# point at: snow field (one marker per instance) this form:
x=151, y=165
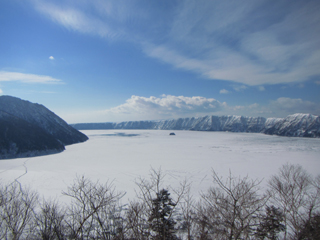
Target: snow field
x=122, y=156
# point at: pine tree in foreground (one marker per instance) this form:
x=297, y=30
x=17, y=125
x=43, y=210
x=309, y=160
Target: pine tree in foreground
x=271, y=224
x=160, y=220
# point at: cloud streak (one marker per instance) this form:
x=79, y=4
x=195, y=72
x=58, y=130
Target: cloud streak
x=74, y=19
x=281, y=107
x=290, y=106
x=27, y=78
x=251, y=42
x=224, y=91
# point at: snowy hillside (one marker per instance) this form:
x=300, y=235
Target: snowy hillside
x=297, y=125
x=28, y=129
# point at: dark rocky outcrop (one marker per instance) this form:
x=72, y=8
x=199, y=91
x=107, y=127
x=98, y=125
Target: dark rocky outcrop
x=28, y=129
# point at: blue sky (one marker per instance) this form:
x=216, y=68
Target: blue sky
x=101, y=61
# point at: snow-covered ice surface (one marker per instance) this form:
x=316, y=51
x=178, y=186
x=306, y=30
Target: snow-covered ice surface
x=121, y=156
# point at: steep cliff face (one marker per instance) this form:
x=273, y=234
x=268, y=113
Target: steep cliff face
x=31, y=129
x=214, y=123
x=297, y=125
x=241, y=124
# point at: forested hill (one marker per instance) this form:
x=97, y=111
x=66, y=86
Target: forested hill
x=296, y=125
x=29, y=129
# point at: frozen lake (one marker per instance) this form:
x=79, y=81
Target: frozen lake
x=122, y=156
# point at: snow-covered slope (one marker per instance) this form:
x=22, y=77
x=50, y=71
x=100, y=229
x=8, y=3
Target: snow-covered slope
x=214, y=123
x=18, y=138
x=298, y=125
x=27, y=127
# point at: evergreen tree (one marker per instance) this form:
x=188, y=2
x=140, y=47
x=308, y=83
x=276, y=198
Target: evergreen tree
x=311, y=229
x=161, y=221
x=271, y=224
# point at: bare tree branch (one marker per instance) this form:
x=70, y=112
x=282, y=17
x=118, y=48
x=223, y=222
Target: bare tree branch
x=235, y=204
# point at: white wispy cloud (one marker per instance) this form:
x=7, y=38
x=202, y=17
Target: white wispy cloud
x=27, y=78
x=239, y=88
x=51, y=58
x=291, y=105
x=280, y=107
x=74, y=16
x=252, y=42
x=224, y=91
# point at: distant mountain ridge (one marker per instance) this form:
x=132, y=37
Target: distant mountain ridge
x=30, y=129
x=296, y=125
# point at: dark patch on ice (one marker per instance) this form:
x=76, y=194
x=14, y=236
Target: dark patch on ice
x=118, y=135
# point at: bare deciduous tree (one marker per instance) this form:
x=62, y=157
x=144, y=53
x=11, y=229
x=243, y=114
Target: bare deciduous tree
x=235, y=205
x=2, y=202
x=188, y=213
x=91, y=213
x=136, y=221
x=50, y=222
x=232, y=209
x=17, y=211
x=294, y=191
x=205, y=222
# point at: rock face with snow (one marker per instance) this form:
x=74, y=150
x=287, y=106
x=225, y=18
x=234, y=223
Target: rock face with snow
x=28, y=129
x=214, y=123
x=207, y=123
x=297, y=125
